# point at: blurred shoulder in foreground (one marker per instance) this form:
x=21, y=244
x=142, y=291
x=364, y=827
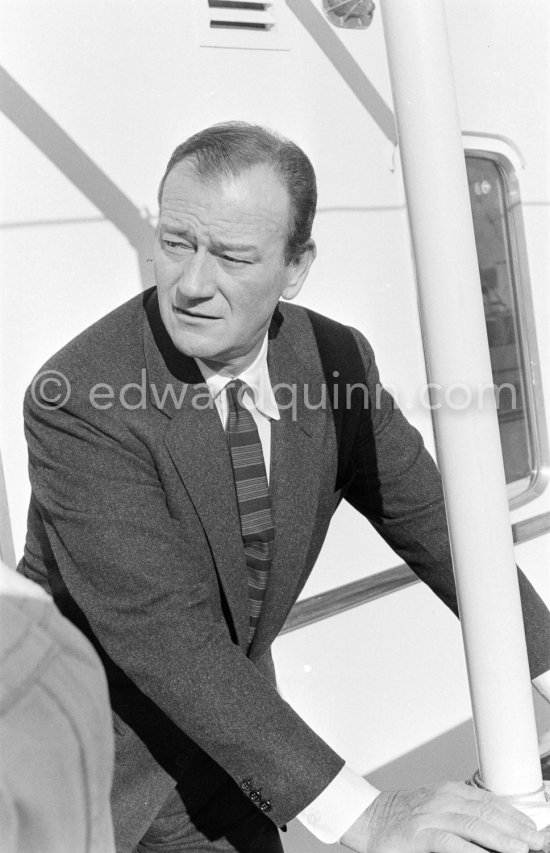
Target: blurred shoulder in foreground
x=56, y=740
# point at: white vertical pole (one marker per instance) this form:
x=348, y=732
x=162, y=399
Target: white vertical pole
x=465, y=420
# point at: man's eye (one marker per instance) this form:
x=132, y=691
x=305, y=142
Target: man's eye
x=235, y=260
x=176, y=245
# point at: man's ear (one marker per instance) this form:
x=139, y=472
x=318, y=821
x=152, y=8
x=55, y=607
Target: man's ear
x=298, y=271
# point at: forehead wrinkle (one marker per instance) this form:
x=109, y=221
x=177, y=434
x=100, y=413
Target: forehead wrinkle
x=227, y=199
x=188, y=219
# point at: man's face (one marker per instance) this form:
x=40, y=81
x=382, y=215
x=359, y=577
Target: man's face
x=219, y=261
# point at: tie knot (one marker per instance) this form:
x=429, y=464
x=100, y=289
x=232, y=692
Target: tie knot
x=235, y=390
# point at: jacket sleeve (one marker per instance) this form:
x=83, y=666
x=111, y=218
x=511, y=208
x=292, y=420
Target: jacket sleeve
x=398, y=488
x=140, y=578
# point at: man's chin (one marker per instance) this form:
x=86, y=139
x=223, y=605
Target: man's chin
x=195, y=346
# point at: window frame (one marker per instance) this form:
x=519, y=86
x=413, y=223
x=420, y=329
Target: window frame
x=509, y=162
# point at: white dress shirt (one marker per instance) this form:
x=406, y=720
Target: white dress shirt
x=339, y=805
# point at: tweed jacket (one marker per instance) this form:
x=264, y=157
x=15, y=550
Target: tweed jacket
x=134, y=528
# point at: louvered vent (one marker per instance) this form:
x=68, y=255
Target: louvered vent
x=251, y=24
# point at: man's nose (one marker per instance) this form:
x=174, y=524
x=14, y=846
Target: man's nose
x=197, y=280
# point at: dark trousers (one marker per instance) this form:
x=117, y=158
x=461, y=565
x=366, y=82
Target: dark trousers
x=222, y=821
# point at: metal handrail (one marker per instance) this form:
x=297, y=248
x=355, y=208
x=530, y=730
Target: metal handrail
x=354, y=594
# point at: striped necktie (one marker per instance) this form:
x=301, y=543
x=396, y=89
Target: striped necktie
x=252, y=498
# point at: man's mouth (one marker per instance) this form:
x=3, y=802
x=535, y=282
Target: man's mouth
x=197, y=315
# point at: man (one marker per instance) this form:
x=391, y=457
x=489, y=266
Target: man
x=153, y=523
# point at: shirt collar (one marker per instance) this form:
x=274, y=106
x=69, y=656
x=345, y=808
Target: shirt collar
x=255, y=375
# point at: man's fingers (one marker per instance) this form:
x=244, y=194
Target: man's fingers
x=475, y=817
x=448, y=818
x=506, y=834
x=477, y=795
x=442, y=841
x=495, y=831
x=481, y=796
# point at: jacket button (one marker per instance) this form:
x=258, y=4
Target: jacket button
x=255, y=796
x=265, y=806
x=246, y=785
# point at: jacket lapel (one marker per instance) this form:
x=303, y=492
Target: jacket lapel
x=197, y=444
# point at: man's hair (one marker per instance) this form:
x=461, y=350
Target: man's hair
x=230, y=148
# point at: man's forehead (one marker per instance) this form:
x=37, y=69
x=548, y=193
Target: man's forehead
x=253, y=195
x=257, y=178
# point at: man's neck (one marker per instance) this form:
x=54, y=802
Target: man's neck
x=237, y=365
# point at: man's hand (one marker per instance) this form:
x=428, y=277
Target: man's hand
x=447, y=818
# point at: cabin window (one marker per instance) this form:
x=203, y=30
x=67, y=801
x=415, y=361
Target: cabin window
x=509, y=319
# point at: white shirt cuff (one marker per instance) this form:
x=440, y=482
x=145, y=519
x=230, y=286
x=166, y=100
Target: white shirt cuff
x=336, y=808
x=542, y=684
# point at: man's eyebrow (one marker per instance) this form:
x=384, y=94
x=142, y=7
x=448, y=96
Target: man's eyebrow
x=175, y=231
x=233, y=247
x=218, y=246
